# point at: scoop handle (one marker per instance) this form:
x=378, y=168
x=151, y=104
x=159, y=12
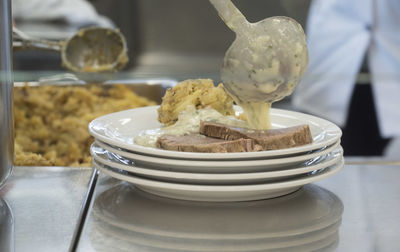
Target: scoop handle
x=231, y=15
x=24, y=41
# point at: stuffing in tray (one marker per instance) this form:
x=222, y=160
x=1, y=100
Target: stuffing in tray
x=51, y=121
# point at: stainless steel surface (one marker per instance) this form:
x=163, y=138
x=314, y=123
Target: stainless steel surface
x=376, y=160
x=124, y=218
x=6, y=227
x=6, y=92
x=84, y=210
x=46, y=202
x=370, y=220
x=94, y=49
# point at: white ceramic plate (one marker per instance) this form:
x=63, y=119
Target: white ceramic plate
x=110, y=160
x=119, y=129
x=219, y=166
x=220, y=192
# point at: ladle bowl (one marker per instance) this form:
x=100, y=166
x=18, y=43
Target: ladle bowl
x=93, y=49
x=267, y=58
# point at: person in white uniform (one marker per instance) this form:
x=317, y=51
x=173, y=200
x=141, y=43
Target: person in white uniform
x=340, y=35
x=79, y=13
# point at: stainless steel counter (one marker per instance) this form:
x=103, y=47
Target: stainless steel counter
x=370, y=221
x=46, y=203
x=6, y=227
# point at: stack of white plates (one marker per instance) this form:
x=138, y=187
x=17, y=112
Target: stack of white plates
x=213, y=176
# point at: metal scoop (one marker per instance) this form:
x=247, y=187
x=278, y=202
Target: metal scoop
x=89, y=50
x=267, y=58
x=265, y=62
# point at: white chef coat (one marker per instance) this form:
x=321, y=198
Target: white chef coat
x=75, y=12
x=339, y=34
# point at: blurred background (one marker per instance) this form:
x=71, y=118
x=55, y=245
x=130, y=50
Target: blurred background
x=175, y=38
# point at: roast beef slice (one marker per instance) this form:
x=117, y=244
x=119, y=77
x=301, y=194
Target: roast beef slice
x=272, y=139
x=200, y=143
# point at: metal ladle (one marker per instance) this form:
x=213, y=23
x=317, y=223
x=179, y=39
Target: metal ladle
x=264, y=63
x=93, y=49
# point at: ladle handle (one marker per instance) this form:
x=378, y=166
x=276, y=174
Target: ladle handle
x=231, y=15
x=24, y=41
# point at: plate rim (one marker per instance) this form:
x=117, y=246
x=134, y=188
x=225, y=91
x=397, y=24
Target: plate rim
x=333, y=129
x=220, y=164
x=140, y=170
x=330, y=171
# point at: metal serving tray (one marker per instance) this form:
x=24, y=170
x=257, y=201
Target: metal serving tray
x=153, y=89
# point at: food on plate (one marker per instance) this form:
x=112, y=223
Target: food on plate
x=199, y=93
x=204, y=129
x=198, y=143
x=188, y=122
x=51, y=121
x=272, y=139
x=222, y=138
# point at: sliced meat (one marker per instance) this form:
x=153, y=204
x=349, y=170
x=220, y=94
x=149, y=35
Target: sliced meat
x=200, y=143
x=273, y=139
